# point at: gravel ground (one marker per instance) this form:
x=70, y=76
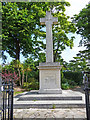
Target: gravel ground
x=63, y=114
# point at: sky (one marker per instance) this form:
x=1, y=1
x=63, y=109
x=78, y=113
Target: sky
x=75, y=8
x=67, y=54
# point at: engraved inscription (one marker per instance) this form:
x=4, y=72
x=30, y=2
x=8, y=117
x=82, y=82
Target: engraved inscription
x=50, y=82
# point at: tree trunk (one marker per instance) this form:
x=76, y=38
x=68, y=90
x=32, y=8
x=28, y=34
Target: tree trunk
x=19, y=77
x=17, y=49
x=26, y=77
x=55, y=55
x=22, y=78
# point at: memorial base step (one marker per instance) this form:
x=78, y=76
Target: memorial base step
x=68, y=99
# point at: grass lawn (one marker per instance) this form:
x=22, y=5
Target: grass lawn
x=18, y=90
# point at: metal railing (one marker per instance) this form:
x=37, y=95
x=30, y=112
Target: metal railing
x=7, y=100
x=87, y=93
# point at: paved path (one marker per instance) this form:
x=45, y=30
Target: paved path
x=73, y=113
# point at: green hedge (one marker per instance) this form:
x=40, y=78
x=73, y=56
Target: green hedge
x=77, y=77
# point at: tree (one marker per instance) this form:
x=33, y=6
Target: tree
x=8, y=76
x=78, y=64
x=84, y=55
x=16, y=29
x=30, y=65
x=82, y=21
x=23, y=33
x=18, y=67
x=22, y=75
x=27, y=69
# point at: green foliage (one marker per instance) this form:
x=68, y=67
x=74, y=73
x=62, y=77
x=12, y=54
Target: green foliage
x=23, y=33
x=74, y=77
x=65, y=86
x=25, y=71
x=8, y=67
x=33, y=85
x=78, y=64
x=53, y=106
x=67, y=83
x=18, y=92
x=82, y=21
x=33, y=66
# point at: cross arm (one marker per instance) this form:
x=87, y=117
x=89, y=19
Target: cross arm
x=55, y=20
x=42, y=21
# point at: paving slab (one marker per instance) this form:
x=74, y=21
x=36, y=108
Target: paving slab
x=50, y=114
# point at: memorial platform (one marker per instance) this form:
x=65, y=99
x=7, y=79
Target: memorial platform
x=32, y=99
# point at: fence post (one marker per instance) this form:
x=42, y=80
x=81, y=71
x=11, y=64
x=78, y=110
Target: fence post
x=87, y=103
x=12, y=100
x=87, y=98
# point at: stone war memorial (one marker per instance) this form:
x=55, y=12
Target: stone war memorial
x=50, y=101
x=49, y=72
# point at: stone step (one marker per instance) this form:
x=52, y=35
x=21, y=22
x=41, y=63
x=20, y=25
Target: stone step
x=28, y=98
x=68, y=99
x=48, y=106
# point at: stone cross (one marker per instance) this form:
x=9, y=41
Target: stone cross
x=48, y=21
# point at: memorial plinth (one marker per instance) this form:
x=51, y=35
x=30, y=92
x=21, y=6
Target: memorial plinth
x=49, y=78
x=49, y=72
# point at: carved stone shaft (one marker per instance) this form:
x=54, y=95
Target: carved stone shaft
x=48, y=21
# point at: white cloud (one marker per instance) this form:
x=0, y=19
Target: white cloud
x=68, y=54
x=77, y=49
x=76, y=6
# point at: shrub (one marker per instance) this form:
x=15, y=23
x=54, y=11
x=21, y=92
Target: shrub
x=65, y=86
x=72, y=83
x=8, y=76
x=67, y=83
x=33, y=85
x=75, y=77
